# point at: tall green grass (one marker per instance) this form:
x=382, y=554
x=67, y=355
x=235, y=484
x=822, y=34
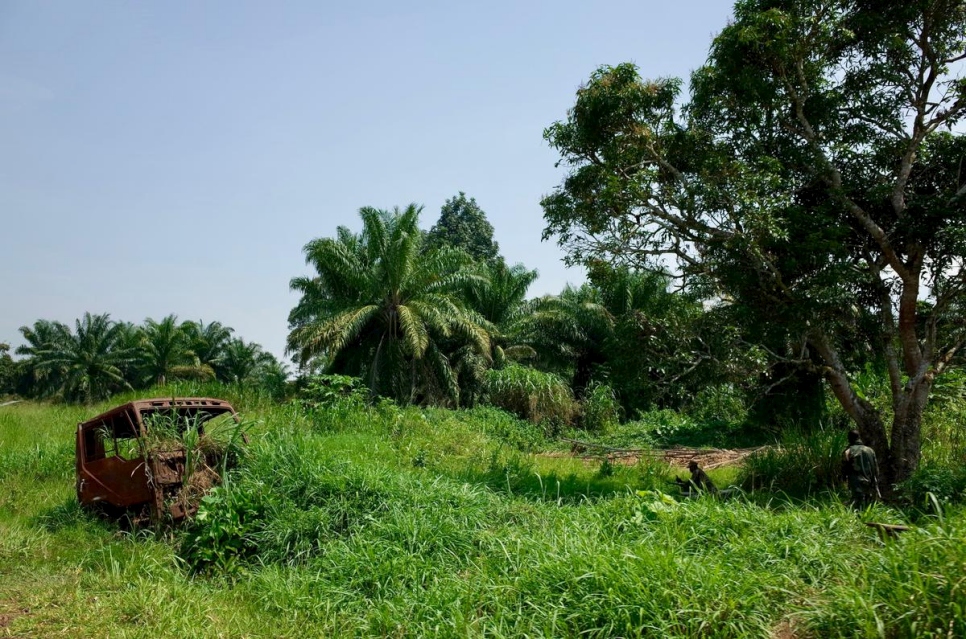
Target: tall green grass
x=801, y=465
x=383, y=521
x=542, y=398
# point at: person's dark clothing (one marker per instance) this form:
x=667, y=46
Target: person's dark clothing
x=861, y=470
x=699, y=482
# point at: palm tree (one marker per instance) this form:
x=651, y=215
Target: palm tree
x=379, y=307
x=208, y=341
x=43, y=336
x=500, y=299
x=570, y=331
x=240, y=361
x=166, y=352
x=131, y=338
x=86, y=364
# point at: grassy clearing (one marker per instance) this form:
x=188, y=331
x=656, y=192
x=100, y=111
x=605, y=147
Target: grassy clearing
x=350, y=521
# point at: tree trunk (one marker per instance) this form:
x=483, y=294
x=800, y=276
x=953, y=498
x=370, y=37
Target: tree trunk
x=864, y=415
x=906, y=448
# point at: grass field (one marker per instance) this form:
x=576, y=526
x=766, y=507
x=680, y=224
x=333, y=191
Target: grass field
x=379, y=522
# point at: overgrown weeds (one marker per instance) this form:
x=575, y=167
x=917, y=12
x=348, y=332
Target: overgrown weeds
x=542, y=398
x=329, y=529
x=800, y=465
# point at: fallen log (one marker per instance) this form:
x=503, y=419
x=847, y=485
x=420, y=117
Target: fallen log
x=891, y=530
x=676, y=456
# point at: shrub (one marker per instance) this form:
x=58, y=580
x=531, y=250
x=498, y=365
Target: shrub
x=657, y=427
x=802, y=464
x=945, y=483
x=222, y=533
x=506, y=427
x=541, y=398
x=329, y=390
x=601, y=410
x=721, y=408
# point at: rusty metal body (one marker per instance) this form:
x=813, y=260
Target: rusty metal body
x=113, y=467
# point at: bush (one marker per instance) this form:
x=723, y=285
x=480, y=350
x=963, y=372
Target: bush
x=659, y=428
x=945, y=483
x=329, y=390
x=801, y=465
x=601, y=410
x=509, y=429
x=720, y=408
x=541, y=398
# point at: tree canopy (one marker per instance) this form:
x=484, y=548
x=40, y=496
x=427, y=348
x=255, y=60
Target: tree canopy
x=379, y=307
x=462, y=224
x=101, y=356
x=812, y=182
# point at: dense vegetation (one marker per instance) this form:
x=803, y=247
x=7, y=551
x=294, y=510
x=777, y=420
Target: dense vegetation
x=771, y=261
x=345, y=519
x=812, y=182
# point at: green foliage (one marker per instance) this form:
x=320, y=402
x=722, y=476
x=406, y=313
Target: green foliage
x=542, y=398
x=166, y=353
x=569, y=332
x=463, y=225
x=221, y=533
x=337, y=533
x=245, y=362
x=721, y=408
x=8, y=371
x=664, y=346
x=329, y=390
x=935, y=481
x=800, y=466
x=102, y=357
x=600, y=410
x=380, y=307
x=805, y=186
x=503, y=426
x=660, y=427
x=85, y=365
x=923, y=598
x=208, y=342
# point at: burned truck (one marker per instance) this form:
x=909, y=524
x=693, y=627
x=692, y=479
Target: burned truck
x=154, y=457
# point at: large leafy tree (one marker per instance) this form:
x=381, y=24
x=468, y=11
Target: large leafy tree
x=81, y=365
x=379, y=307
x=812, y=182
x=462, y=224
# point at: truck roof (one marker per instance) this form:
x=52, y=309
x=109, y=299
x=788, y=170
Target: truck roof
x=160, y=403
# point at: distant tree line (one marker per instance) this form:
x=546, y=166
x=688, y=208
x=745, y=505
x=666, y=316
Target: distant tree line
x=99, y=357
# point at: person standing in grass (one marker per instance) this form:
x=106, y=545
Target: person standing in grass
x=861, y=470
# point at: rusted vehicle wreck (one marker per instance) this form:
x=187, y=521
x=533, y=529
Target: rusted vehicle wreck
x=151, y=456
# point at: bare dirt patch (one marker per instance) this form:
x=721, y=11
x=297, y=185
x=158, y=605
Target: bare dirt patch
x=784, y=630
x=8, y=614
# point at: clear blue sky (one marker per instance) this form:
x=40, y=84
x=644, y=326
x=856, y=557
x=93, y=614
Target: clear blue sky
x=174, y=157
